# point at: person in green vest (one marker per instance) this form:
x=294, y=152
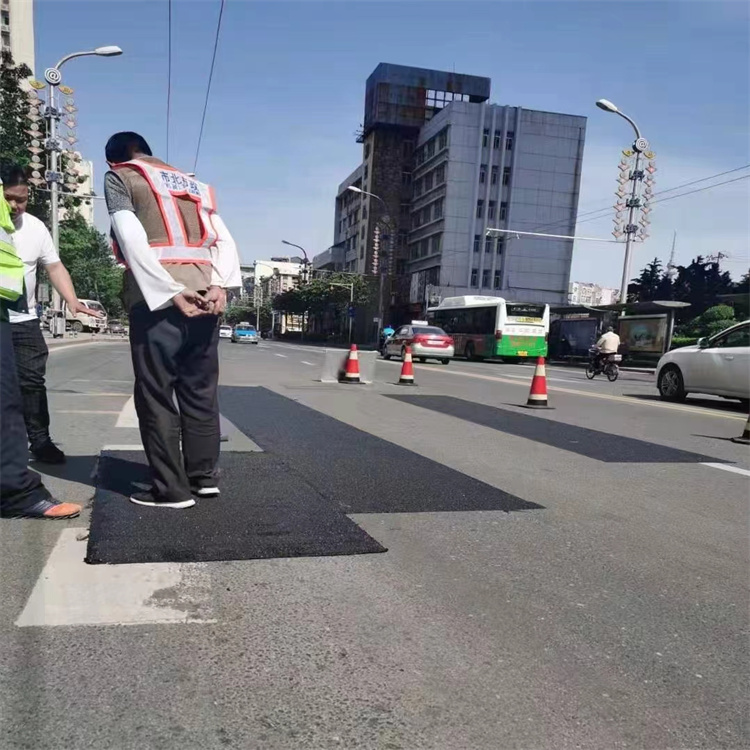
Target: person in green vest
x=22, y=493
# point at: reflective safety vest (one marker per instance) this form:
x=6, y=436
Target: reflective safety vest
x=11, y=266
x=167, y=185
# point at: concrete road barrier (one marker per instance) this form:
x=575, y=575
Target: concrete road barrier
x=334, y=363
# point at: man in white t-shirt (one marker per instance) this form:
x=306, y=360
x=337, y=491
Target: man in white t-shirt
x=608, y=343
x=34, y=246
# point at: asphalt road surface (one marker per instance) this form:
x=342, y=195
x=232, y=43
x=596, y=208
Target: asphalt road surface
x=610, y=613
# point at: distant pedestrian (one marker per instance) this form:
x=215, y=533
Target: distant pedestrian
x=34, y=246
x=22, y=494
x=180, y=258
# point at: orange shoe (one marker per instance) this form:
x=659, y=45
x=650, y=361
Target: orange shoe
x=63, y=510
x=46, y=509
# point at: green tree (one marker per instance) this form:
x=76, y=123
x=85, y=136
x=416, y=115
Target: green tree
x=86, y=254
x=712, y=321
x=14, y=138
x=700, y=283
x=743, y=285
x=647, y=285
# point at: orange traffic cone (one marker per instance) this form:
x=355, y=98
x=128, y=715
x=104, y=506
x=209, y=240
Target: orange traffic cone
x=351, y=373
x=538, y=393
x=407, y=369
x=744, y=438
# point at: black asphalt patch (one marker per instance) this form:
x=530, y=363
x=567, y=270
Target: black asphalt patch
x=359, y=472
x=264, y=511
x=602, y=446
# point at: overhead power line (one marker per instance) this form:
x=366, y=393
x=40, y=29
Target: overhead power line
x=603, y=212
x=700, y=190
x=208, y=87
x=169, y=70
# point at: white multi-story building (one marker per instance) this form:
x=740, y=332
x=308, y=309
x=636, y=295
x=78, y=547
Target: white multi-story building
x=480, y=166
x=84, y=189
x=276, y=276
x=350, y=225
x=581, y=293
x=17, y=30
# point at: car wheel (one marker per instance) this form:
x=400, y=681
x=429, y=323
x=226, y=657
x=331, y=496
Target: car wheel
x=745, y=403
x=422, y=359
x=384, y=354
x=671, y=385
x=444, y=361
x=76, y=326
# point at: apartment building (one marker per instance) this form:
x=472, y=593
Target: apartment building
x=582, y=293
x=17, y=30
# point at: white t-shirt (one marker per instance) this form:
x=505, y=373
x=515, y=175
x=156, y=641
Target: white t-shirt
x=609, y=343
x=34, y=245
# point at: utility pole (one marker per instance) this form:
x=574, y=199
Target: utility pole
x=258, y=299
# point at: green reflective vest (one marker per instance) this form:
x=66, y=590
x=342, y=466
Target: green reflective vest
x=11, y=266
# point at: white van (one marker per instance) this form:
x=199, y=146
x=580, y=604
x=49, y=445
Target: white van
x=82, y=322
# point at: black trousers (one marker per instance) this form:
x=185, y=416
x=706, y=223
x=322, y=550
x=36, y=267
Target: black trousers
x=177, y=356
x=31, y=364
x=20, y=488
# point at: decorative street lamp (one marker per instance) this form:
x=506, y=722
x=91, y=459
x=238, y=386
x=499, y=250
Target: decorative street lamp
x=381, y=269
x=53, y=145
x=637, y=201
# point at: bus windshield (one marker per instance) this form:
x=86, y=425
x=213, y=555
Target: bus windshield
x=524, y=313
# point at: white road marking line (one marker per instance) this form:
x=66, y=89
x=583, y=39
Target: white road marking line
x=70, y=592
x=100, y=380
x=308, y=363
x=134, y=447
x=128, y=416
x=124, y=394
x=605, y=396
x=279, y=355
x=68, y=347
x=728, y=467
x=549, y=379
x=83, y=411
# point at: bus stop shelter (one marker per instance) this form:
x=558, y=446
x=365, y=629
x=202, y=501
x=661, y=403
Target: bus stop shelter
x=645, y=329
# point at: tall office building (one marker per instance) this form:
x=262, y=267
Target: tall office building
x=481, y=166
x=17, y=30
x=448, y=166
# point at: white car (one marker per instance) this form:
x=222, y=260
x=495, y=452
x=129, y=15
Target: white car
x=719, y=365
x=225, y=332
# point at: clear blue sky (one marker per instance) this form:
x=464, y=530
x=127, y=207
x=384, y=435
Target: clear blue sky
x=289, y=86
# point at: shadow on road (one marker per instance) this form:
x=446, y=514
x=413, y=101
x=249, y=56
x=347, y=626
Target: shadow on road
x=78, y=469
x=602, y=446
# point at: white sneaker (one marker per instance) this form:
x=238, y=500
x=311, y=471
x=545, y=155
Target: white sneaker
x=207, y=491
x=153, y=501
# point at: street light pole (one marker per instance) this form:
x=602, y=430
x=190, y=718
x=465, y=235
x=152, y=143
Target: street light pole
x=53, y=76
x=382, y=268
x=305, y=279
x=639, y=145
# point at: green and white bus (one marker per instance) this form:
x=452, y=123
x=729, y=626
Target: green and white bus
x=486, y=327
